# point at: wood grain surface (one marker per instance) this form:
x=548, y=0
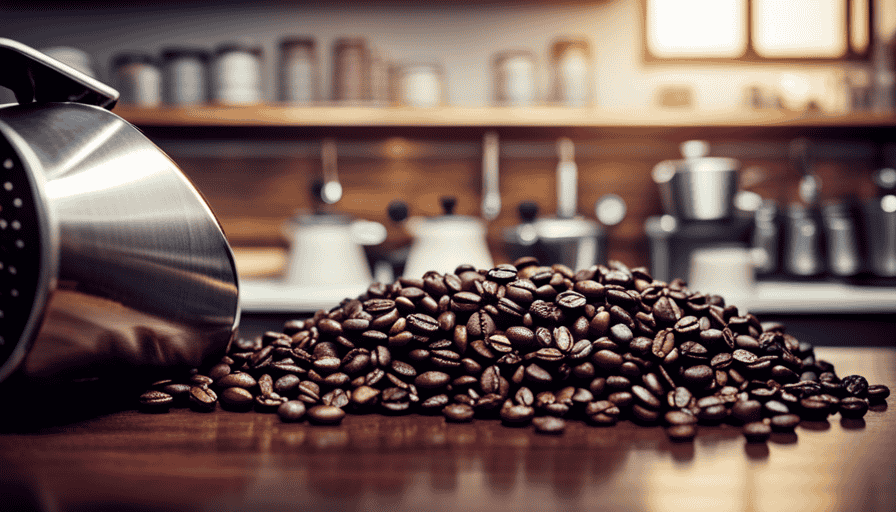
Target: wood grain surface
x=125, y=460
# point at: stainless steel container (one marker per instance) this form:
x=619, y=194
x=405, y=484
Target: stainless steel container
x=880, y=235
x=803, y=256
x=109, y=257
x=698, y=187
x=767, y=236
x=841, y=240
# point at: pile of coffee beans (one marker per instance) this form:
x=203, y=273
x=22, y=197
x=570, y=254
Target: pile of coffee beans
x=530, y=344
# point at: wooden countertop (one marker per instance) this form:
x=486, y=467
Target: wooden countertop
x=249, y=461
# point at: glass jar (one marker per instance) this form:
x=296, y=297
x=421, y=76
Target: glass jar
x=298, y=70
x=236, y=74
x=138, y=78
x=571, y=72
x=185, y=76
x=514, y=73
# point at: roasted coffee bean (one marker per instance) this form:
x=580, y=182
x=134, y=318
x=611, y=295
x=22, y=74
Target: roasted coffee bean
x=663, y=344
x=291, y=411
x=156, y=401
x=447, y=321
x=645, y=397
x=621, y=398
x=458, y=413
x=757, y=432
x=325, y=415
x=680, y=417
x=465, y=302
x=698, y=376
x=537, y=374
x=517, y=415
x=744, y=356
x=746, y=411
x=774, y=408
x=853, y=407
x=202, y=399
x=878, y=393
x=571, y=300
x=423, y=324
x=480, y=325
x=379, y=306
x=287, y=385
x=201, y=380
x=549, y=425
x=784, y=422
x=237, y=379
x=383, y=322
x=607, y=360
x=621, y=334
x=855, y=385
x=236, y=398
x=546, y=313
x=666, y=311
x=364, y=396
x=499, y=343
x=815, y=408
x=432, y=380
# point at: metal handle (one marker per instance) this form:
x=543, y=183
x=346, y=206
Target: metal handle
x=567, y=179
x=491, y=196
x=35, y=77
x=331, y=192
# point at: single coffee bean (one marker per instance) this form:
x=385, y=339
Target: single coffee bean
x=680, y=397
x=784, y=422
x=878, y=393
x=853, y=407
x=744, y=356
x=517, y=415
x=465, y=302
x=855, y=385
x=571, y=300
x=291, y=411
x=325, y=415
x=432, y=380
x=746, y=411
x=663, y=343
x=774, y=408
x=202, y=399
x=757, y=432
x=680, y=418
x=155, y=401
x=458, y=413
x=645, y=397
x=549, y=425
x=236, y=398
x=480, y=325
x=698, y=376
x=607, y=360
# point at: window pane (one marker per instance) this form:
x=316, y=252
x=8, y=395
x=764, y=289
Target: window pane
x=696, y=28
x=799, y=28
x=860, y=37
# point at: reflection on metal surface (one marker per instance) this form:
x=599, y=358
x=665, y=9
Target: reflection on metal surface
x=138, y=269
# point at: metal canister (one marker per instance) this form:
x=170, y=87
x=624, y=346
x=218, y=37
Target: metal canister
x=571, y=72
x=298, y=70
x=237, y=74
x=420, y=85
x=138, y=77
x=185, y=76
x=841, y=239
x=767, y=236
x=803, y=247
x=515, y=73
x=351, y=70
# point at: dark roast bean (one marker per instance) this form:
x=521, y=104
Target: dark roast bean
x=784, y=422
x=698, y=376
x=680, y=397
x=517, y=415
x=480, y=325
x=680, y=418
x=465, y=302
x=520, y=337
x=645, y=397
x=325, y=415
x=744, y=356
x=549, y=425
x=236, y=398
x=878, y=393
x=853, y=407
x=432, y=380
x=757, y=432
x=855, y=385
x=746, y=411
x=237, y=379
x=155, y=401
x=291, y=411
x=458, y=413
x=337, y=398
x=571, y=300
x=663, y=343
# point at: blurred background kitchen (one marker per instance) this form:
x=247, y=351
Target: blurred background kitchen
x=746, y=146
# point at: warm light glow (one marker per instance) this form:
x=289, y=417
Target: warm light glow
x=696, y=28
x=799, y=28
x=860, y=38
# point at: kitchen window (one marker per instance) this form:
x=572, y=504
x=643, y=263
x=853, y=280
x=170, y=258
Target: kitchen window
x=757, y=30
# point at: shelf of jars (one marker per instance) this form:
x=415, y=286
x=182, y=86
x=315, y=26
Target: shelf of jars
x=280, y=115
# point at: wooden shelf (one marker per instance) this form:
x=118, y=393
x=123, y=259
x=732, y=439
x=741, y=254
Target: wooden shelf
x=482, y=117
